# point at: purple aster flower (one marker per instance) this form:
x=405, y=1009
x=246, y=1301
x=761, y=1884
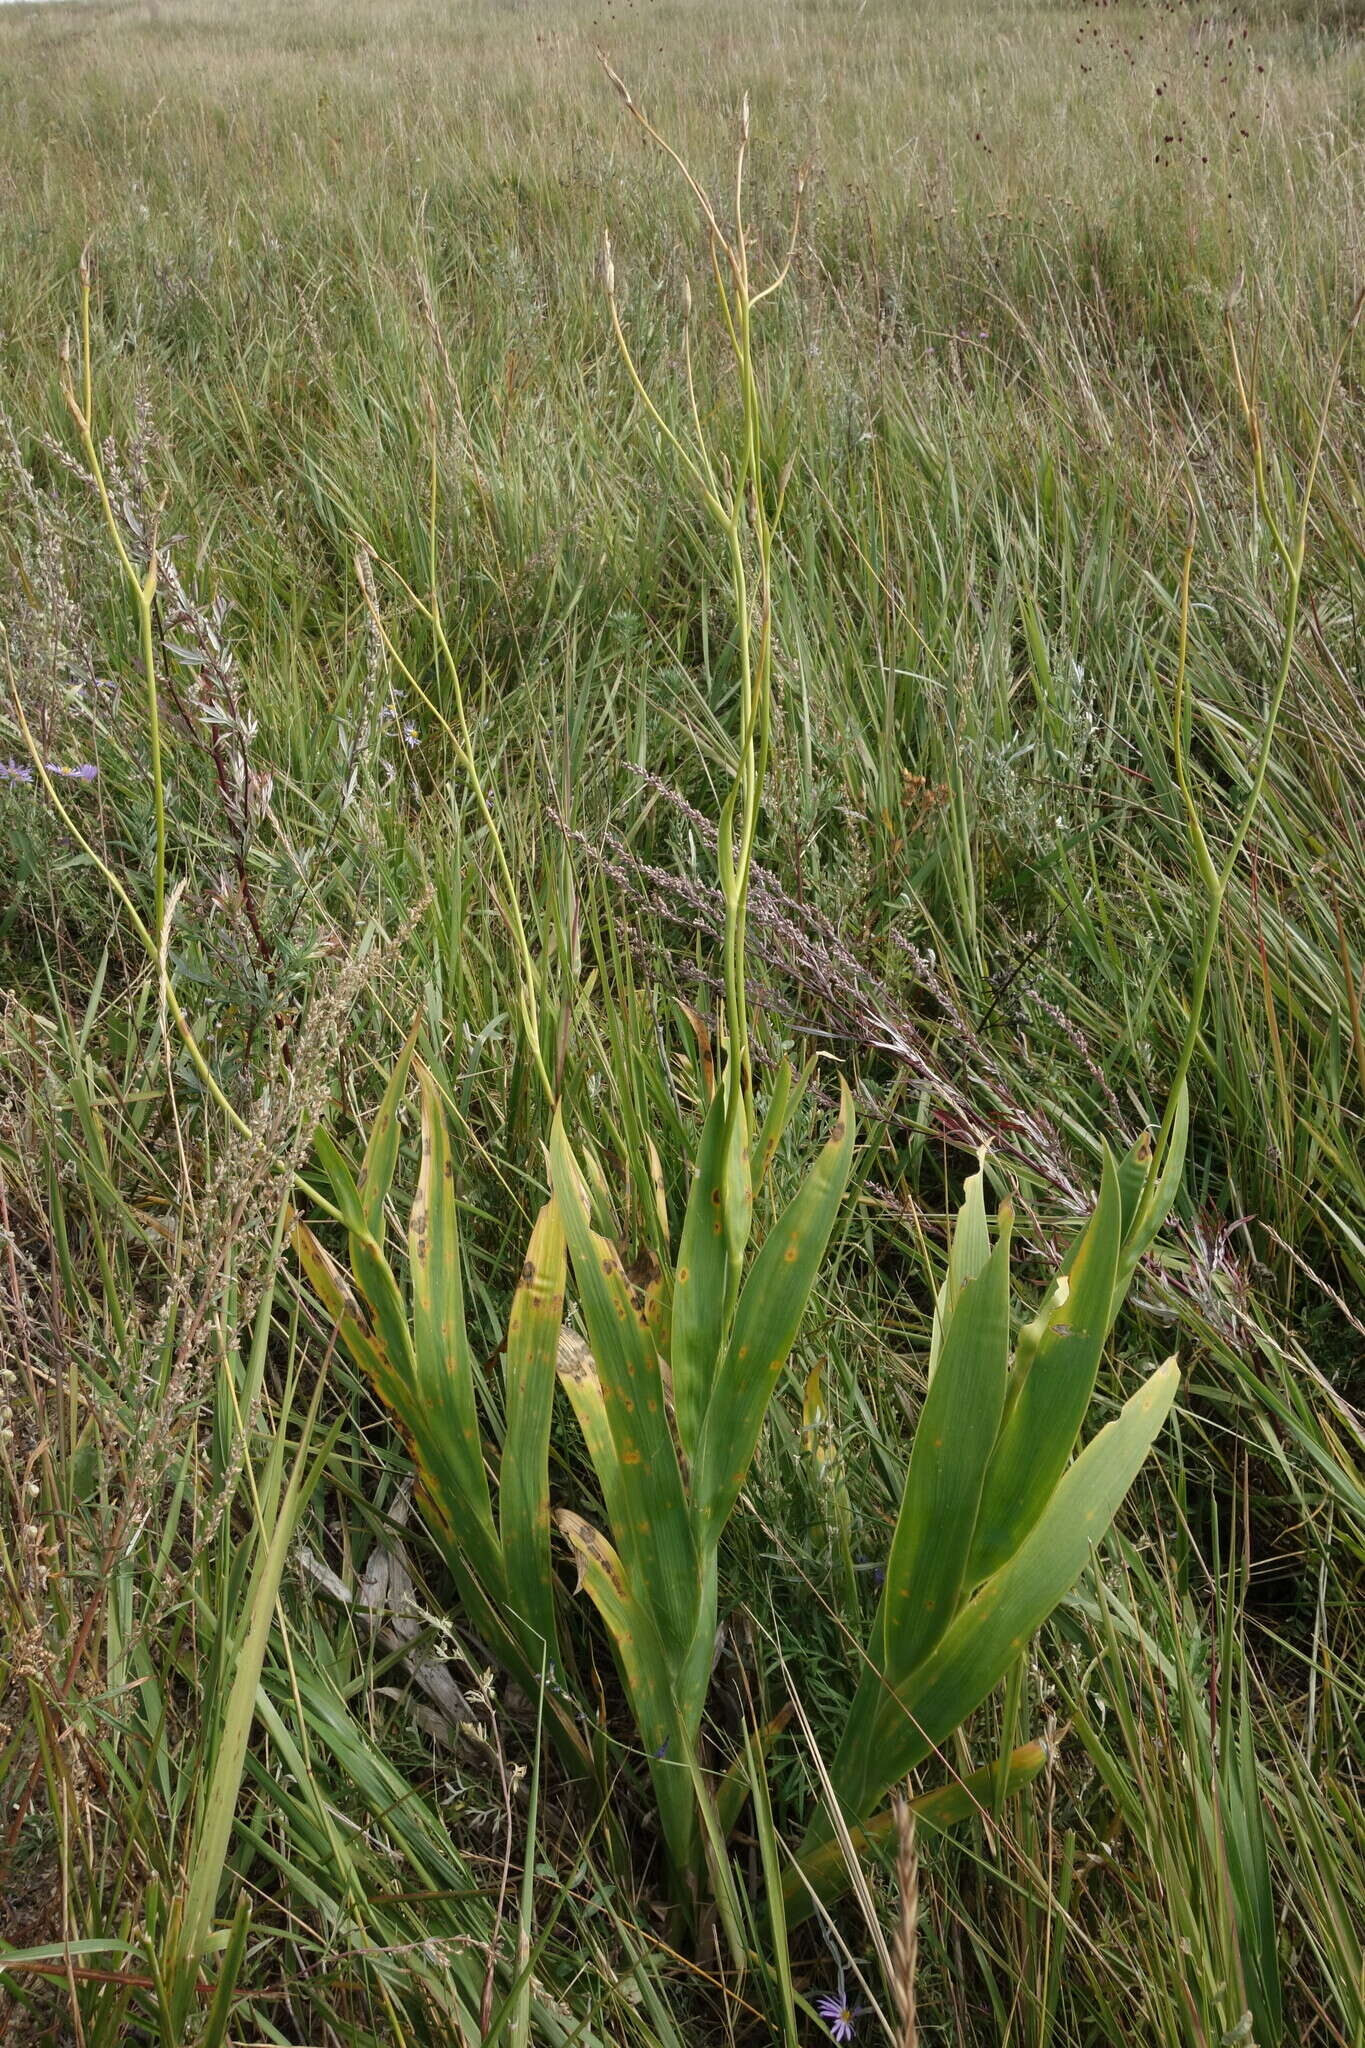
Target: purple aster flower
x=85, y=772
x=12, y=771
x=838, y=2015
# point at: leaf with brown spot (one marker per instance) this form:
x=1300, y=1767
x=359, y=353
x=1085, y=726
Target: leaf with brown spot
x=381, y=1153
x=443, y=1368
x=644, y=1667
x=524, y=1492
x=650, y=1519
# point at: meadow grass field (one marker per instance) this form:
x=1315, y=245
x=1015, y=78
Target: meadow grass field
x=562, y=815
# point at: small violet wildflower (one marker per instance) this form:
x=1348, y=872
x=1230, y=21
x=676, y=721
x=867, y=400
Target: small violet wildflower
x=407, y=727
x=838, y=2015
x=19, y=771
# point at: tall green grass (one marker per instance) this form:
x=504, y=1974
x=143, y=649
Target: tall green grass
x=998, y=377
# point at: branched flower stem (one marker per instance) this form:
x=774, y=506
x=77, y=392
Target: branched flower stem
x=739, y=502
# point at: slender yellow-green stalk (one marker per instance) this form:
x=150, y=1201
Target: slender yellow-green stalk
x=1215, y=878
x=143, y=586
x=743, y=499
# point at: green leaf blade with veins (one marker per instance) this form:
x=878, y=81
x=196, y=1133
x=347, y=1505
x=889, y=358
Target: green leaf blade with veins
x=448, y=1416
x=524, y=1477
x=767, y=1318
x=655, y=1535
x=926, y=1566
x=967, y=1254
x=1051, y=1389
x=645, y=1668
x=698, y=1328
x=997, y=1624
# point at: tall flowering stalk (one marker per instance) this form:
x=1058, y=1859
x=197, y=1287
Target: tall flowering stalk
x=710, y=1339
x=672, y=1387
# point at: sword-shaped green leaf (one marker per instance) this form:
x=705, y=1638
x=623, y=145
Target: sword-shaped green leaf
x=998, y=1623
x=1155, y=1205
x=577, y=1372
x=699, y=1285
x=737, y=1185
x=927, y=1562
x=343, y=1181
x=333, y=1290
x=655, y=1533
x=421, y=1368
x=1133, y=1170
x=968, y=1251
x=774, y=1122
x=767, y=1319
x=381, y=1153
x=644, y=1667
x=825, y=1870
x=524, y=1479
x=1050, y=1391
x=446, y=1421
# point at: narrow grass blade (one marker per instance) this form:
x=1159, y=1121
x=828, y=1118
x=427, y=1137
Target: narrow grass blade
x=1252, y=1879
x=210, y=1848
x=215, y=2026
x=754, y=1757
x=733, y=1788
